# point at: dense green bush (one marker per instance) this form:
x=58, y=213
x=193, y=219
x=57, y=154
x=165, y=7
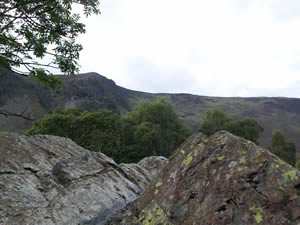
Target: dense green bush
x=215, y=120
x=97, y=131
x=284, y=149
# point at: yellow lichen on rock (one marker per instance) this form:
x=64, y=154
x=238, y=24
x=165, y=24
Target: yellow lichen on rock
x=242, y=151
x=214, y=171
x=158, y=184
x=188, y=159
x=290, y=175
x=242, y=160
x=256, y=156
x=257, y=214
x=274, y=166
x=199, y=148
x=154, y=216
x=220, y=157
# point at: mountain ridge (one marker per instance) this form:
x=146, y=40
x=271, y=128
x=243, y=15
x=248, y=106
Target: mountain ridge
x=93, y=91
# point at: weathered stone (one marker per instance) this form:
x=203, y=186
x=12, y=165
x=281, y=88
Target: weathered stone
x=47, y=180
x=153, y=164
x=90, y=164
x=219, y=180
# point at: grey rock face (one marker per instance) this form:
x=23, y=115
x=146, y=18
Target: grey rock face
x=153, y=164
x=48, y=180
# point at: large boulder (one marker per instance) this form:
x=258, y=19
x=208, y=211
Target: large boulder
x=219, y=180
x=48, y=180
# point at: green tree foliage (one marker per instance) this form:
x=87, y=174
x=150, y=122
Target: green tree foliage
x=97, y=131
x=31, y=30
x=297, y=165
x=247, y=128
x=155, y=129
x=152, y=128
x=284, y=149
x=215, y=120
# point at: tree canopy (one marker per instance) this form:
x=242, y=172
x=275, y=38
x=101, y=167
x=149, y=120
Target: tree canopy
x=247, y=128
x=297, y=164
x=97, y=131
x=215, y=120
x=34, y=30
x=284, y=149
x=156, y=129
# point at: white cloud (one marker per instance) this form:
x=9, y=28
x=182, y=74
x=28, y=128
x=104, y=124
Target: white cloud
x=220, y=48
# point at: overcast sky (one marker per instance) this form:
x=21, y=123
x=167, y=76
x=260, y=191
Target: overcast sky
x=205, y=47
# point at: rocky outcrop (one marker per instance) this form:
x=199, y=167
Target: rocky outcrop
x=219, y=180
x=48, y=180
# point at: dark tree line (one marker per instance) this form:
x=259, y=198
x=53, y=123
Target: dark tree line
x=215, y=120
x=152, y=128
x=250, y=129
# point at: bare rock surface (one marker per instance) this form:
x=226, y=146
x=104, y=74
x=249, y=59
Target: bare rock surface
x=48, y=180
x=153, y=164
x=219, y=180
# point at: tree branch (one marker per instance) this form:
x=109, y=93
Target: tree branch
x=39, y=64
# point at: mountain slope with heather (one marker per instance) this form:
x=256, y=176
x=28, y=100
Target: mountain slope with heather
x=21, y=95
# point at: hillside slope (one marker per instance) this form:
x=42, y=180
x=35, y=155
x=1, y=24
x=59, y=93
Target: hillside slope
x=93, y=91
